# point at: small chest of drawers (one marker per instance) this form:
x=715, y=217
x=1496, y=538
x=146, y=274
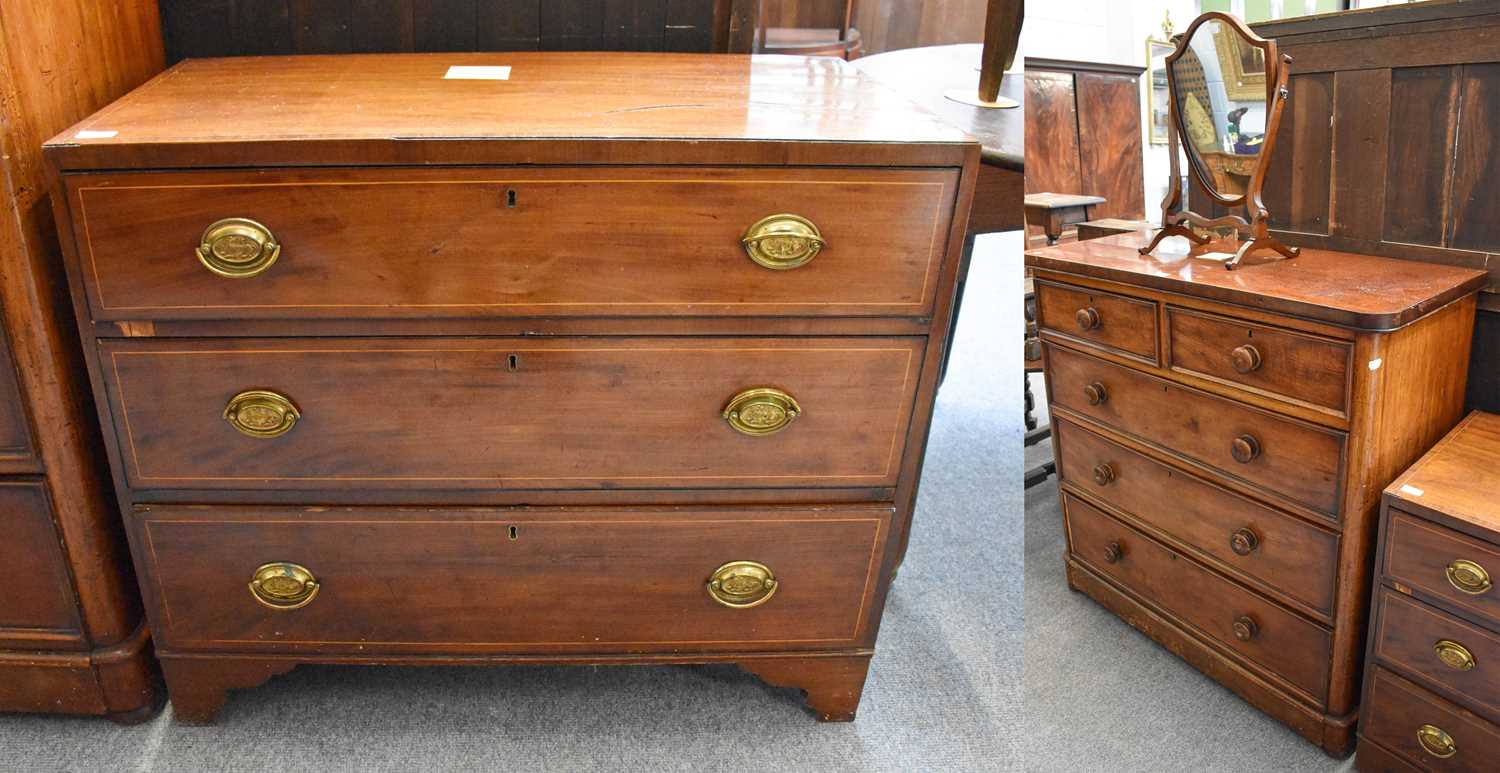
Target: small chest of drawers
x=1221, y=440
x=1432, y=674
x=614, y=359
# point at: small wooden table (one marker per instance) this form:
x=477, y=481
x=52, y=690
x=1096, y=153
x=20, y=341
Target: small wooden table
x=1055, y=211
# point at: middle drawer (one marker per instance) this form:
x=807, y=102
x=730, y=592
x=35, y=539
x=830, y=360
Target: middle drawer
x=644, y=413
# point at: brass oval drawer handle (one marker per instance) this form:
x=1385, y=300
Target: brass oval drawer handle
x=1104, y=474
x=742, y=584
x=1467, y=576
x=1243, y=542
x=1454, y=655
x=259, y=413
x=761, y=411
x=1244, y=449
x=1113, y=552
x=282, y=585
x=783, y=241
x=1096, y=393
x=1245, y=628
x=1436, y=742
x=1245, y=358
x=1088, y=318
x=238, y=248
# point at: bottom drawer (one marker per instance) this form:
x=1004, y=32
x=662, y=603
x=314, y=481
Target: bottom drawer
x=1427, y=730
x=472, y=580
x=1239, y=619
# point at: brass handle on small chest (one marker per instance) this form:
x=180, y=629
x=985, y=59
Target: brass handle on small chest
x=238, y=248
x=1245, y=628
x=1245, y=358
x=1243, y=542
x=1468, y=577
x=761, y=411
x=261, y=414
x=1104, y=474
x=282, y=585
x=1454, y=655
x=1244, y=449
x=1087, y=319
x=1095, y=393
x=1436, y=742
x=742, y=584
x=782, y=242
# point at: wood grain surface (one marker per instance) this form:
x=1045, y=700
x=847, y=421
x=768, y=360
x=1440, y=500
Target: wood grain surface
x=505, y=241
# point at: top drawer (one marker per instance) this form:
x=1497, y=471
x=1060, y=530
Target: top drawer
x=1443, y=563
x=1113, y=323
x=1289, y=366
x=465, y=242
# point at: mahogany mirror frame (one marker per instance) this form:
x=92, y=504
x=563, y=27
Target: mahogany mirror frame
x=1174, y=210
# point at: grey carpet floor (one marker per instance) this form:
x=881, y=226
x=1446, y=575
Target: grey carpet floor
x=944, y=692
x=1100, y=696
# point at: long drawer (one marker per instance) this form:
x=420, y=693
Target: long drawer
x=1240, y=620
x=372, y=580
x=1440, y=647
x=1296, y=460
x=512, y=412
x=1283, y=553
x=1426, y=730
x=464, y=242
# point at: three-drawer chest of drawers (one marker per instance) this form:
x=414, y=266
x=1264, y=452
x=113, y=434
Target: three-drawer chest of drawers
x=1222, y=440
x=1432, y=671
x=523, y=358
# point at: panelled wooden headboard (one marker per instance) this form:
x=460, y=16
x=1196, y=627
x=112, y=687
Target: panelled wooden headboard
x=1390, y=145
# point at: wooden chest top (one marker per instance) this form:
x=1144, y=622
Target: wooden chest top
x=1459, y=477
x=611, y=108
x=1341, y=288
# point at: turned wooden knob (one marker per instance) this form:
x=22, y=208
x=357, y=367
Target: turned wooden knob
x=1245, y=628
x=1113, y=552
x=1095, y=393
x=1246, y=358
x=1245, y=448
x=1243, y=542
x=1087, y=318
x=1104, y=474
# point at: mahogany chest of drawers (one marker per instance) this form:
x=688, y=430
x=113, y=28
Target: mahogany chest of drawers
x=1222, y=439
x=1432, y=672
x=523, y=358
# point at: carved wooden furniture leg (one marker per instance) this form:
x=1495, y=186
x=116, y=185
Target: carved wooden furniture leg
x=1260, y=242
x=1173, y=229
x=833, y=684
x=198, y=686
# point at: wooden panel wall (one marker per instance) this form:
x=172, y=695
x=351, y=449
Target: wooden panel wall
x=197, y=28
x=1083, y=133
x=1390, y=145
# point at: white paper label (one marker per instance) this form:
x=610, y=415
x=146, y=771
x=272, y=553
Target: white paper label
x=1409, y=489
x=463, y=72
x=1375, y=363
x=90, y=134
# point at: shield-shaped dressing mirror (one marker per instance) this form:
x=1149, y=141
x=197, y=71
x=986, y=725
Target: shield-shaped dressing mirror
x=1227, y=87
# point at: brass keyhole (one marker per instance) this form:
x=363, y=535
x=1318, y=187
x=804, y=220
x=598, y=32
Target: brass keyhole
x=513, y=363
x=510, y=198
x=515, y=532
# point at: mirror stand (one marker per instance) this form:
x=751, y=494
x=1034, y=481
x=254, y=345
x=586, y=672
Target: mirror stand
x=1177, y=218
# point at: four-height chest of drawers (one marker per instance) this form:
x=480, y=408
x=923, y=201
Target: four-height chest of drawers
x=543, y=359
x=1432, y=672
x=1222, y=440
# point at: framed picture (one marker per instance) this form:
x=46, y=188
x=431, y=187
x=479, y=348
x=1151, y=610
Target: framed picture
x=1242, y=66
x=1157, y=98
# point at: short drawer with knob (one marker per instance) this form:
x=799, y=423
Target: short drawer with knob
x=1434, y=645
x=1222, y=438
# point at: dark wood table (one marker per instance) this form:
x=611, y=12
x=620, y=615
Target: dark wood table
x=923, y=75
x=1055, y=211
